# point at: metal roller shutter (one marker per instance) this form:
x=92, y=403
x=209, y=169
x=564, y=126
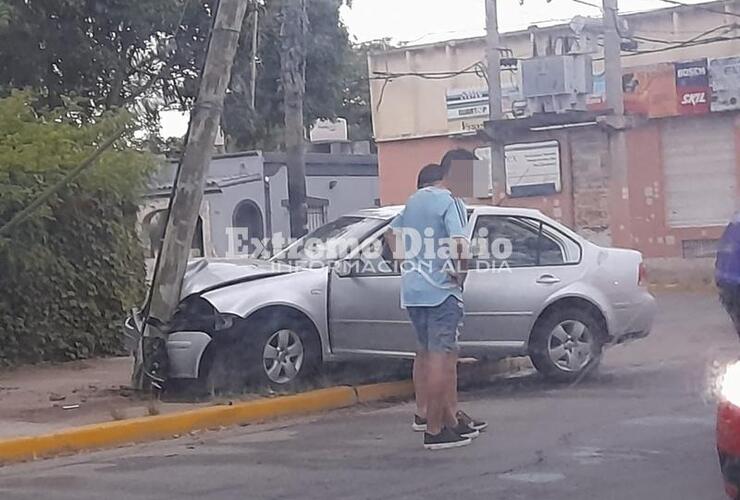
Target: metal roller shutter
x=699, y=168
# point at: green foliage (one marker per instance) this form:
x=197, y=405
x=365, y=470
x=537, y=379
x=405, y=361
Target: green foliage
x=101, y=53
x=334, y=78
x=68, y=274
x=105, y=54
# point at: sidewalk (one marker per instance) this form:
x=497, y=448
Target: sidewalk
x=47, y=398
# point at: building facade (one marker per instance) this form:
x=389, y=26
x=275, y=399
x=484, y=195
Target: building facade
x=681, y=80
x=246, y=197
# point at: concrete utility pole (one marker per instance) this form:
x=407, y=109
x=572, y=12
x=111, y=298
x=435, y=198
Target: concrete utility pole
x=190, y=182
x=612, y=57
x=293, y=76
x=493, y=73
x=619, y=182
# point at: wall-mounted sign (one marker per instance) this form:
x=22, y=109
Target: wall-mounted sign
x=724, y=78
x=329, y=131
x=467, y=109
x=533, y=169
x=650, y=90
x=597, y=100
x=692, y=87
x=467, y=104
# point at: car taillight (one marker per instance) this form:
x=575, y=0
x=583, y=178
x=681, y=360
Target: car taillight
x=642, y=277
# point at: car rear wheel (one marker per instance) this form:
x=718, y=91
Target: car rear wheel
x=566, y=344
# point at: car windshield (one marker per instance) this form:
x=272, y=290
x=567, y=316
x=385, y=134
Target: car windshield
x=330, y=242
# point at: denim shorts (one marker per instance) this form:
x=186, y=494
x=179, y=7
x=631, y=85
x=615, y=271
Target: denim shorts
x=437, y=327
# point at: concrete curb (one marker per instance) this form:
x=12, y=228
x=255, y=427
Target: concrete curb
x=136, y=430
x=110, y=434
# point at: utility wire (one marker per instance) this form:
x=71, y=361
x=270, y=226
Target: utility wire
x=728, y=27
x=694, y=44
x=702, y=7
x=584, y=2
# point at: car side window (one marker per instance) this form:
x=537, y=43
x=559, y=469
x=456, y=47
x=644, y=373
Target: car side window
x=521, y=242
x=506, y=241
x=376, y=258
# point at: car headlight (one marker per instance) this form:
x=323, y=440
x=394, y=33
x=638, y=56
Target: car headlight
x=729, y=384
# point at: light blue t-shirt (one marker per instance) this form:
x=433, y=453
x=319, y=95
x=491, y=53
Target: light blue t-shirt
x=432, y=217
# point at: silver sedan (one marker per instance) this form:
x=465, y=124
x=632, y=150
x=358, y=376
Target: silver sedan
x=542, y=291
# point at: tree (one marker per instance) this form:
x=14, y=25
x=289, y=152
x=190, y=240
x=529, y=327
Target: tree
x=293, y=30
x=355, y=81
x=102, y=53
x=331, y=64
x=67, y=274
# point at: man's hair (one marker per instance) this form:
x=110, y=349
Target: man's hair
x=454, y=155
x=429, y=175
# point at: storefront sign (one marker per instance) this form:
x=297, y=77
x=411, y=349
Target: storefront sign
x=692, y=87
x=533, y=169
x=724, y=79
x=650, y=91
x=467, y=109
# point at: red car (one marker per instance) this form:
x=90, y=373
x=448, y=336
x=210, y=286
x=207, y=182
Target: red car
x=728, y=430
x=727, y=274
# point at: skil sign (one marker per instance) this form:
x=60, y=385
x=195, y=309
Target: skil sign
x=692, y=87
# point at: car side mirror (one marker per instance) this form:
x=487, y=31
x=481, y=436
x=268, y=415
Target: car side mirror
x=343, y=268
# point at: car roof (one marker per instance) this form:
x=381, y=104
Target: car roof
x=391, y=211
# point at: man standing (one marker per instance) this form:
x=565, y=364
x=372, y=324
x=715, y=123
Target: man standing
x=432, y=279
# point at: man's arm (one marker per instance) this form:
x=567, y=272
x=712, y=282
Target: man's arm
x=455, y=220
x=461, y=258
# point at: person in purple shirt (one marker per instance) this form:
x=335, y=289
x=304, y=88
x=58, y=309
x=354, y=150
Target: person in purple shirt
x=727, y=270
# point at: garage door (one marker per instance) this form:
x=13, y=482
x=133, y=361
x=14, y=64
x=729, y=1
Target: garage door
x=700, y=170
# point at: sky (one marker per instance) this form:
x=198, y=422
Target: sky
x=420, y=21
x=423, y=21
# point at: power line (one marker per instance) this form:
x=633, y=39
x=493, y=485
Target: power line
x=694, y=44
x=584, y=2
x=678, y=46
x=701, y=7
x=728, y=27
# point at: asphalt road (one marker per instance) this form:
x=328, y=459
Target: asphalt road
x=643, y=429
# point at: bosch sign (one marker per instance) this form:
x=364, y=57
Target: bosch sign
x=692, y=87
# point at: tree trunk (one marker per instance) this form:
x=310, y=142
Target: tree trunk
x=293, y=71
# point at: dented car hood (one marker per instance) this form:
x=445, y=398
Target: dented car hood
x=208, y=274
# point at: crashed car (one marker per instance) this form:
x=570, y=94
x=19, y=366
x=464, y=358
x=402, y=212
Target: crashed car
x=552, y=296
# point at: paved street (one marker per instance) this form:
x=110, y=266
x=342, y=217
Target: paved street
x=642, y=430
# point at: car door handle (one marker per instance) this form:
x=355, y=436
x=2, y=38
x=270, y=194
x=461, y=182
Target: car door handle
x=548, y=279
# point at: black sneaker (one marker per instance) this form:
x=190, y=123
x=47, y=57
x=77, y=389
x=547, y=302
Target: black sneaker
x=420, y=424
x=466, y=419
x=444, y=440
x=465, y=430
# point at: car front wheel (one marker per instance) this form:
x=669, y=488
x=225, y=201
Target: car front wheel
x=283, y=354
x=566, y=344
